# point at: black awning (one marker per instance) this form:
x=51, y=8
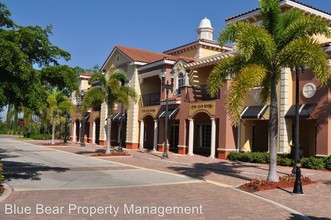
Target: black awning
x=305, y=111
x=171, y=113
x=253, y=112
x=119, y=116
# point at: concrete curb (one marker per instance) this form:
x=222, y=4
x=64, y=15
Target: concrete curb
x=6, y=193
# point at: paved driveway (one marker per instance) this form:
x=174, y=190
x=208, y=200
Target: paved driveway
x=50, y=184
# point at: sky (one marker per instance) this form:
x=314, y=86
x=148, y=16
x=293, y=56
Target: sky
x=89, y=29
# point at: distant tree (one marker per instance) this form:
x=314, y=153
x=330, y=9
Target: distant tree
x=58, y=106
x=283, y=40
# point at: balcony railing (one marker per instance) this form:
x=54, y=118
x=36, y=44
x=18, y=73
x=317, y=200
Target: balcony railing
x=201, y=93
x=151, y=99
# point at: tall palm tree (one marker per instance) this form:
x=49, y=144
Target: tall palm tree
x=111, y=91
x=58, y=106
x=283, y=40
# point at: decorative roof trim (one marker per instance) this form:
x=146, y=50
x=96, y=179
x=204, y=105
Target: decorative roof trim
x=292, y=3
x=208, y=61
x=157, y=63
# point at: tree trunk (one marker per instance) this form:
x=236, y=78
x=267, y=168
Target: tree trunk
x=8, y=117
x=273, y=129
x=108, y=130
x=53, y=132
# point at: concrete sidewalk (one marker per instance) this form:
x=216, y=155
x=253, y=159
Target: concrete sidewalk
x=315, y=203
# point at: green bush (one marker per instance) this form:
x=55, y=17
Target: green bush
x=327, y=162
x=284, y=161
x=37, y=136
x=234, y=156
x=252, y=157
x=312, y=163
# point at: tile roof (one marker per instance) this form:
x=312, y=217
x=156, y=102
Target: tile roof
x=86, y=74
x=256, y=9
x=145, y=56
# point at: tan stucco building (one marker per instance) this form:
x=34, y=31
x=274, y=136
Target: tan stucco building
x=198, y=123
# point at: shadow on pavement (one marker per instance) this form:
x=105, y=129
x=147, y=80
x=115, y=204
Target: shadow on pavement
x=296, y=216
x=22, y=170
x=200, y=170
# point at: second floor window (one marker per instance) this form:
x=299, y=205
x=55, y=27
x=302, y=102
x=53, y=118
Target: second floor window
x=181, y=81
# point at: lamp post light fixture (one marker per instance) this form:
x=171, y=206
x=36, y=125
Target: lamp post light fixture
x=166, y=86
x=296, y=169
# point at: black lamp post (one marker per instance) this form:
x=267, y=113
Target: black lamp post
x=120, y=149
x=82, y=120
x=166, y=86
x=66, y=128
x=297, y=185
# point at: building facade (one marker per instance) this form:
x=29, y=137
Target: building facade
x=198, y=123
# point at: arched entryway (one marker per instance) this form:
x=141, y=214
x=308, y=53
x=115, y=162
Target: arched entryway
x=202, y=131
x=202, y=138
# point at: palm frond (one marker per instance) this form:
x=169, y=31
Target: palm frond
x=248, y=77
x=255, y=41
x=306, y=51
x=227, y=67
x=93, y=98
x=296, y=25
x=271, y=13
x=98, y=77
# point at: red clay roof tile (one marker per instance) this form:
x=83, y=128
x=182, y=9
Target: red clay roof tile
x=145, y=56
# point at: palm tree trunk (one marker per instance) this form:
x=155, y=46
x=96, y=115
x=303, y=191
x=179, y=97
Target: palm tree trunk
x=108, y=130
x=273, y=129
x=53, y=132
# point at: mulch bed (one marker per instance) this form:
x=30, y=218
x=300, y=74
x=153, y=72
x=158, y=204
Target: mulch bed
x=284, y=182
x=54, y=145
x=113, y=153
x=2, y=189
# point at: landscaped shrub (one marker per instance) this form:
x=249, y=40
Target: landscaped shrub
x=327, y=162
x=312, y=163
x=259, y=157
x=40, y=136
x=234, y=156
x=284, y=161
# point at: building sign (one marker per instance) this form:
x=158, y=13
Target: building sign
x=149, y=111
x=209, y=107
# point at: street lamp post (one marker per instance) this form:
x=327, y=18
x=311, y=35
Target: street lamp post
x=297, y=186
x=82, y=120
x=120, y=148
x=66, y=128
x=166, y=86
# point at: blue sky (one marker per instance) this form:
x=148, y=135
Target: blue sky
x=89, y=29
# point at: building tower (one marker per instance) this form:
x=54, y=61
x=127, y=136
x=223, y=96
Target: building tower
x=205, y=30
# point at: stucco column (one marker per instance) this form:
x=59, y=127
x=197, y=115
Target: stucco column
x=74, y=138
x=191, y=136
x=155, y=135
x=93, y=132
x=213, y=138
x=141, y=138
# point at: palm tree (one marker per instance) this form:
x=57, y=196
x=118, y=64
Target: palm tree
x=58, y=106
x=111, y=91
x=283, y=40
